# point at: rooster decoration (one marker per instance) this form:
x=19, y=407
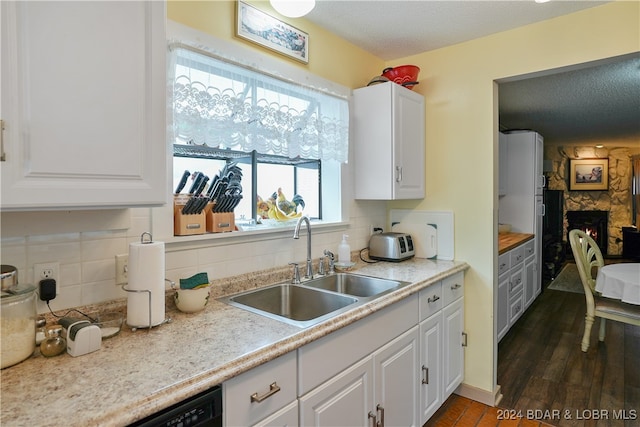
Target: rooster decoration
x=278, y=207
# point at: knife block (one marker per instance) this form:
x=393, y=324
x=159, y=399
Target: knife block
x=220, y=222
x=187, y=224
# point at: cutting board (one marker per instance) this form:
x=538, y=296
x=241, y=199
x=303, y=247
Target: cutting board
x=424, y=236
x=442, y=220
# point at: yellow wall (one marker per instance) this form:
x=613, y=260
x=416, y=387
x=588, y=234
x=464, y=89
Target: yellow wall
x=461, y=138
x=461, y=117
x=330, y=57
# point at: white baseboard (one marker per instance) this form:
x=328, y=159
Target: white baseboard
x=479, y=395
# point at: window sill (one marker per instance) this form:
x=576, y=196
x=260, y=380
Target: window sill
x=175, y=243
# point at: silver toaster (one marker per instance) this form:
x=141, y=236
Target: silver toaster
x=391, y=246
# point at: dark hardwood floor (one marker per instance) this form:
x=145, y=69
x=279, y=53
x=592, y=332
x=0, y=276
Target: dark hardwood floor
x=543, y=372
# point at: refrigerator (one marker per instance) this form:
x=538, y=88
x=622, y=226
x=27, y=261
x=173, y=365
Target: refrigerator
x=522, y=204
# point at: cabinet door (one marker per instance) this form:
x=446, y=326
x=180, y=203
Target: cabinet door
x=409, y=144
x=529, y=280
x=503, y=305
x=84, y=105
x=397, y=380
x=453, y=357
x=431, y=366
x=344, y=400
x=286, y=417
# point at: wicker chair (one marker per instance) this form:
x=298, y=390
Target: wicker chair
x=589, y=260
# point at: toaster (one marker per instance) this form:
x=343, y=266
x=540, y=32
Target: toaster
x=391, y=246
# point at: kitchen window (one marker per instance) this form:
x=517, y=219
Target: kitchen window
x=282, y=135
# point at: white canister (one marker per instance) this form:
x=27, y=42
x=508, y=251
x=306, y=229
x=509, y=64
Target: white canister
x=146, y=287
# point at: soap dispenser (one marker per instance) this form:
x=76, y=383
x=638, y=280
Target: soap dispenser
x=344, y=251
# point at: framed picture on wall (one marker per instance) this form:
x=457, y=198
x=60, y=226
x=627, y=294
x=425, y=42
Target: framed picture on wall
x=263, y=29
x=588, y=174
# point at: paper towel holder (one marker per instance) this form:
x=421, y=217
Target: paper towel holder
x=148, y=291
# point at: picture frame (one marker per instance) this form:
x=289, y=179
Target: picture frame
x=263, y=29
x=588, y=174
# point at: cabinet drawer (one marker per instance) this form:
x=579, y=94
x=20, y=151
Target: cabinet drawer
x=430, y=300
x=241, y=409
x=530, y=248
x=503, y=263
x=452, y=288
x=516, y=281
x=516, y=307
x=517, y=256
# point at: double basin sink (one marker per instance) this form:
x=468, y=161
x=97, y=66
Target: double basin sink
x=315, y=300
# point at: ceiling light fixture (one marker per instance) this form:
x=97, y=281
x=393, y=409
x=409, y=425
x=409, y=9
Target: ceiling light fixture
x=599, y=146
x=293, y=8
x=542, y=1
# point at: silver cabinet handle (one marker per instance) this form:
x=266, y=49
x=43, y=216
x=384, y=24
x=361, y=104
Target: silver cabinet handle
x=425, y=375
x=464, y=339
x=375, y=419
x=456, y=286
x=3, y=156
x=381, y=409
x=273, y=389
x=433, y=299
x=398, y=173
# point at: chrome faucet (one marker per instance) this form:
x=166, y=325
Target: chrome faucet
x=296, y=235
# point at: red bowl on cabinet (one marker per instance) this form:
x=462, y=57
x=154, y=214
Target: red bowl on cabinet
x=406, y=75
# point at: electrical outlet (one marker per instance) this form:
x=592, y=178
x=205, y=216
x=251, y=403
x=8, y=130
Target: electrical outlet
x=122, y=265
x=47, y=270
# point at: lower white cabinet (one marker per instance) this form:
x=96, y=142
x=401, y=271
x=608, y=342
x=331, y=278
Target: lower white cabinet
x=382, y=388
x=518, y=284
x=285, y=417
x=442, y=343
x=254, y=396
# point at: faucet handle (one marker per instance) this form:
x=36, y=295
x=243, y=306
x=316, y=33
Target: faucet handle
x=332, y=258
x=296, y=273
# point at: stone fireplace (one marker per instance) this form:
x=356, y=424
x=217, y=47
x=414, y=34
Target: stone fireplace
x=594, y=223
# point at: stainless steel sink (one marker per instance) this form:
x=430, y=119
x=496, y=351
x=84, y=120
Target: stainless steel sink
x=354, y=284
x=293, y=304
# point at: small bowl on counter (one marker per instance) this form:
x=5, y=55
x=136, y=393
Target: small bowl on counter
x=192, y=300
x=110, y=323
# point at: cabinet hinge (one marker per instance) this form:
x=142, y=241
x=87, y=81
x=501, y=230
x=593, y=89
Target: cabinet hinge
x=464, y=339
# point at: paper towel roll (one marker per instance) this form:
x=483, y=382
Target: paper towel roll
x=146, y=272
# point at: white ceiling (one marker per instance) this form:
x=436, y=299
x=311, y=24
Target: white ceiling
x=600, y=100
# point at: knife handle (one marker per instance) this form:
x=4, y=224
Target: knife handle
x=183, y=182
x=197, y=176
x=203, y=182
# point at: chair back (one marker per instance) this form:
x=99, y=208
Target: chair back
x=588, y=258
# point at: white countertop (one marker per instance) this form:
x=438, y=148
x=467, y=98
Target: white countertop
x=136, y=374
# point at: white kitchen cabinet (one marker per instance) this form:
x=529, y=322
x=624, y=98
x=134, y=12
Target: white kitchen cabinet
x=83, y=105
x=454, y=342
x=389, y=142
x=255, y=395
x=397, y=381
x=431, y=365
x=504, y=277
x=345, y=400
x=441, y=342
x=381, y=386
x=532, y=285
x=518, y=285
x=286, y=417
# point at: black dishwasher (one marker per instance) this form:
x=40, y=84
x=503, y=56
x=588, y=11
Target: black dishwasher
x=204, y=409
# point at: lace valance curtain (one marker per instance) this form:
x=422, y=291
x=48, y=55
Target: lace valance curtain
x=224, y=105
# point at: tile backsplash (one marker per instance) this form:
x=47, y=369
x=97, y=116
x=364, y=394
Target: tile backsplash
x=87, y=258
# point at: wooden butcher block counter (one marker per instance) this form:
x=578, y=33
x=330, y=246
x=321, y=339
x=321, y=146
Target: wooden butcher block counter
x=508, y=241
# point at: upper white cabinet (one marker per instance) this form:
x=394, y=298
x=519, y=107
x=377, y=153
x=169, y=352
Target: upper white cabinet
x=83, y=104
x=389, y=140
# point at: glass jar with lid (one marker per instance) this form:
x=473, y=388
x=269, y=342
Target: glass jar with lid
x=53, y=344
x=18, y=325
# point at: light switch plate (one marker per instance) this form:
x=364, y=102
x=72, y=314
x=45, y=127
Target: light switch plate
x=122, y=265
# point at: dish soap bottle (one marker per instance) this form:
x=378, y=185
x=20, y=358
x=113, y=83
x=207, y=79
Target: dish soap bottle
x=344, y=251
